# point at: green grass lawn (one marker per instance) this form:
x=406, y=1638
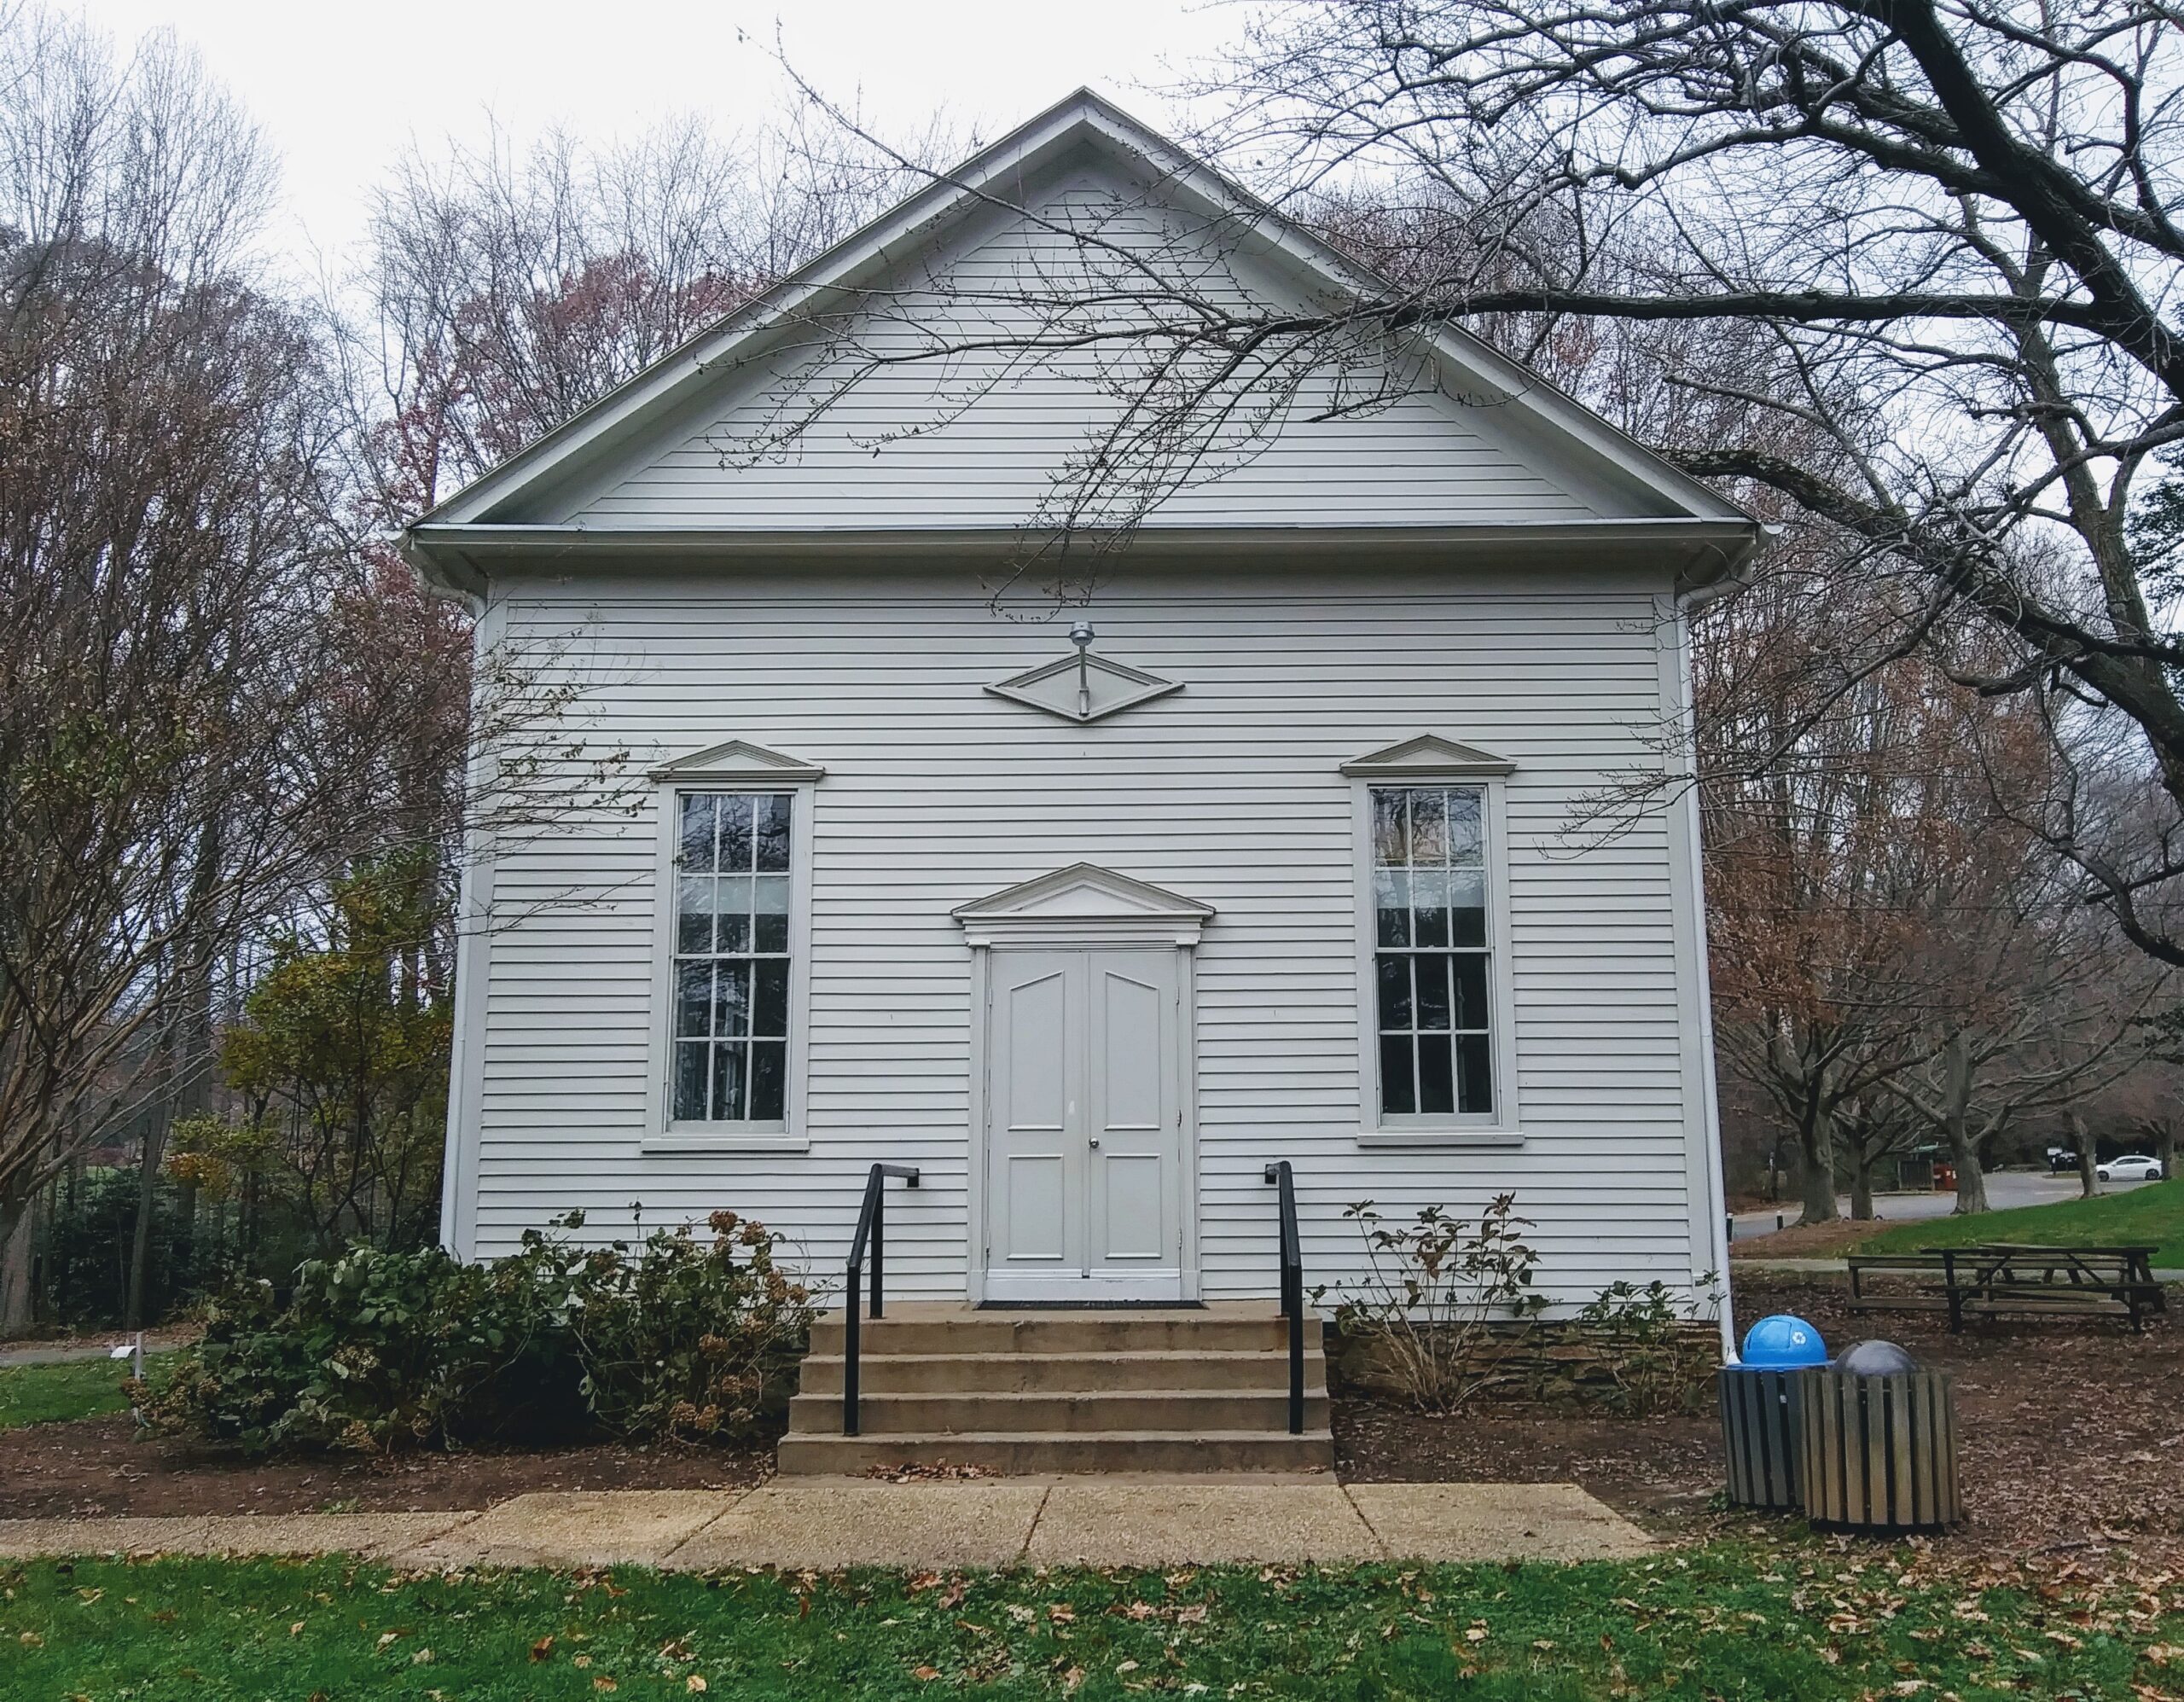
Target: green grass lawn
x=73, y=1389
x=1732, y=1621
x=2153, y=1214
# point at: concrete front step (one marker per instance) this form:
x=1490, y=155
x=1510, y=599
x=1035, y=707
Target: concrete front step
x=962, y=1330
x=987, y=1413
x=1090, y=1452
x=1175, y=1390
x=882, y=1374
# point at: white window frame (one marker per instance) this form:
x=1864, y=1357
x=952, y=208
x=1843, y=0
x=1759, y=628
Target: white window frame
x=732, y=767
x=1432, y=762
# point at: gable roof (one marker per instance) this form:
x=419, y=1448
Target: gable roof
x=495, y=515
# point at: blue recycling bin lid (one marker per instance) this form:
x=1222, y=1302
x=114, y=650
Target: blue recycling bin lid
x=1782, y=1340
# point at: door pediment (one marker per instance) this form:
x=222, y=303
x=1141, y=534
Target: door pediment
x=1083, y=902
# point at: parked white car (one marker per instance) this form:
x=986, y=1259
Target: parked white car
x=2137, y=1167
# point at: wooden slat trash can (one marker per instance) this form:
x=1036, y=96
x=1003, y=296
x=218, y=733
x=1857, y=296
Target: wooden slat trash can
x=1880, y=1451
x=1762, y=1432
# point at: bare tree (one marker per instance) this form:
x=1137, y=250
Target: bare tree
x=1873, y=1129
x=1961, y=214
x=1822, y=813
x=2028, y=1010
x=160, y=502
x=212, y=703
x=507, y=291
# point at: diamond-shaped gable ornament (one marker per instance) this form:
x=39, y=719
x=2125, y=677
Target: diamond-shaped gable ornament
x=1084, y=687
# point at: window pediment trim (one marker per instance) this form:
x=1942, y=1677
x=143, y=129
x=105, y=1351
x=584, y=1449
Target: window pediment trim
x=738, y=762
x=1428, y=757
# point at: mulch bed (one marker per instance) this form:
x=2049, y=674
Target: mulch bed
x=2072, y=1432
x=101, y=1466
x=2073, y=1437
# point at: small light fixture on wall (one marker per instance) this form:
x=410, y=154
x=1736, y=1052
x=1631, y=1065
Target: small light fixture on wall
x=1080, y=635
x=1101, y=686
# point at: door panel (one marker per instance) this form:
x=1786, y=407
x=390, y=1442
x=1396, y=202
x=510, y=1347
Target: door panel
x=1038, y=1018
x=1134, y=1223
x=1085, y=1127
x=1034, y=1146
x=1132, y=1012
x=1037, y=1212
x=1131, y=1209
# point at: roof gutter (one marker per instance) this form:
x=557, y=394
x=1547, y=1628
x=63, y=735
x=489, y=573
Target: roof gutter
x=1710, y=577
x=1709, y=555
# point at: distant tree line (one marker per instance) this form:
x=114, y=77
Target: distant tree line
x=234, y=797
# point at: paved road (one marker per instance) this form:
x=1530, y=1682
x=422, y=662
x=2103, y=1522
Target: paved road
x=2004, y=1188
x=100, y=1347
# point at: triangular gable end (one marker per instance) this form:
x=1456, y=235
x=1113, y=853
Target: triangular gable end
x=738, y=759
x=513, y=501
x=1429, y=757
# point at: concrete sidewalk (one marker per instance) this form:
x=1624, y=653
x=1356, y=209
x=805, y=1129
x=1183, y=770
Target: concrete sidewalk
x=831, y=1523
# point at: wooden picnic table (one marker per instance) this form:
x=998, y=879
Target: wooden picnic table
x=2006, y=1276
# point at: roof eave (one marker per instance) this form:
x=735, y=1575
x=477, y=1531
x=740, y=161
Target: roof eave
x=462, y=558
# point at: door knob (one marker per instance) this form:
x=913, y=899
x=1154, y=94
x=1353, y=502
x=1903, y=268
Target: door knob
x=1095, y=1140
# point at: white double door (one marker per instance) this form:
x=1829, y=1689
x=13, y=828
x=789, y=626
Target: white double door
x=1084, y=1137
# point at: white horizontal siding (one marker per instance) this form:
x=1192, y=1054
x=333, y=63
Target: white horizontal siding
x=921, y=431
x=936, y=792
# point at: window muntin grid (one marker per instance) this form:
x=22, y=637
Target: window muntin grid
x=731, y=972
x=1432, y=958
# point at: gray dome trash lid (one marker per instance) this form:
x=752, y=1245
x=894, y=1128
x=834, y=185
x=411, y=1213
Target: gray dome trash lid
x=1875, y=1359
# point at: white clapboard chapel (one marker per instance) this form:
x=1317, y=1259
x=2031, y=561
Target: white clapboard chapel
x=1277, y=835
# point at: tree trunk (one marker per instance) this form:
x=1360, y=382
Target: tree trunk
x=17, y=1217
x=2087, y=1182
x=147, y=1202
x=1971, y=1180
x=185, y=1211
x=2164, y=1150
x=1816, y=1142
x=1861, y=1183
x=1963, y=1149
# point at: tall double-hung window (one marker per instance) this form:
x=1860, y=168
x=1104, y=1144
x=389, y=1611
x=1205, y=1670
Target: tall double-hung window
x=732, y=962
x=1432, y=953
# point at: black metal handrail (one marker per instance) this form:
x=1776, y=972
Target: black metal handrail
x=871, y=1228
x=1292, y=1287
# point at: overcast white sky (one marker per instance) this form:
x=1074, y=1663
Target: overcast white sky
x=342, y=88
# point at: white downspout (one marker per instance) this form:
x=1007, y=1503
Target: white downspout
x=1718, y=1204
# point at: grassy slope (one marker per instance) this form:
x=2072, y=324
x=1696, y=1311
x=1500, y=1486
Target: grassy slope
x=73, y=1389
x=2153, y=1215
x=1732, y=1621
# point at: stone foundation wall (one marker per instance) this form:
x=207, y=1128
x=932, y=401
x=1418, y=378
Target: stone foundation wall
x=1561, y=1363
